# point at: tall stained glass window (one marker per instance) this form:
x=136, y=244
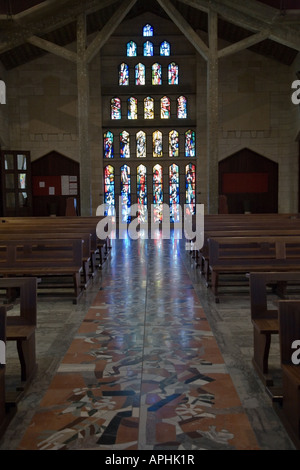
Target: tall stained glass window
x=125, y=193
x=190, y=144
x=173, y=74
x=157, y=144
x=147, y=30
x=157, y=192
x=142, y=192
x=181, y=107
x=164, y=49
x=141, y=144
x=174, y=193
x=123, y=74
x=132, y=108
x=115, y=108
x=124, y=145
x=156, y=74
x=165, y=108
x=109, y=189
x=140, y=74
x=173, y=144
x=190, y=191
x=108, y=145
x=131, y=49
x=148, y=48
x=148, y=108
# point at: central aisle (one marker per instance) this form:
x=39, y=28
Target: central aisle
x=144, y=371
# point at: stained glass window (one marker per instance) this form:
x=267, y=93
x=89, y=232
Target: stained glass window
x=165, y=108
x=148, y=48
x=157, y=192
x=147, y=30
x=148, y=108
x=190, y=185
x=142, y=192
x=125, y=193
x=174, y=193
x=164, y=49
x=116, y=108
x=123, y=74
x=181, y=107
x=173, y=74
x=132, y=108
x=157, y=144
x=108, y=145
x=140, y=74
x=190, y=147
x=173, y=144
x=131, y=49
x=156, y=74
x=124, y=145
x=141, y=144
x=109, y=189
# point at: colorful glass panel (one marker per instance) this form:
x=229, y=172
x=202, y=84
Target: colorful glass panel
x=125, y=193
x=190, y=147
x=148, y=108
x=108, y=145
x=123, y=74
x=173, y=74
x=116, y=108
x=132, y=108
x=142, y=192
x=190, y=191
x=164, y=49
x=157, y=193
x=165, y=108
x=173, y=144
x=131, y=49
x=148, y=48
x=141, y=144
x=109, y=189
x=147, y=30
x=174, y=193
x=157, y=144
x=181, y=107
x=124, y=145
x=140, y=74
x=156, y=74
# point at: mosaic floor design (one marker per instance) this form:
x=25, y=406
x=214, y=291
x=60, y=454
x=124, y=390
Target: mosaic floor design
x=144, y=371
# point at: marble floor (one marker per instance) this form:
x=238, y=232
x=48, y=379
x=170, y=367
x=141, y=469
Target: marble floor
x=145, y=361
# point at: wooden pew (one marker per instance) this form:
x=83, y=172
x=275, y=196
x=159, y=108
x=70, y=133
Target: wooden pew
x=47, y=258
x=289, y=331
x=242, y=255
x=265, y=320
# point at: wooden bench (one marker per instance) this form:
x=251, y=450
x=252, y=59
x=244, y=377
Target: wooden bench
x=265, y=320
x=47, y=258
x=242, y=255
x=289, y=331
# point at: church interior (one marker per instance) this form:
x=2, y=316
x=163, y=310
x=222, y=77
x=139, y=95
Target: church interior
x=149, y=225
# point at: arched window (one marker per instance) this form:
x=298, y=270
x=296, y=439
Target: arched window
x=141, y=144
x=148, y=48
x=131, y=49
x=174, y=193
x=109, y=190
x=142, y=192
x=148, y=108
x=132, y=108
x=190, y=185
x=190, y=147
x=140, y=77
x=173, y=144
x=165, y=108
x=157, y=192
x=125, y=193
x=181, y=107
x=124, y=145
x=147, y=30
x=164, y=49
x=108, y=145
x=157, y=144
x=115, y=108
x=173, y=74
x=123, y=74
x=156, y=74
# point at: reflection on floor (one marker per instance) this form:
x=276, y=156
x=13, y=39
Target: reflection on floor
x=146, y=360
